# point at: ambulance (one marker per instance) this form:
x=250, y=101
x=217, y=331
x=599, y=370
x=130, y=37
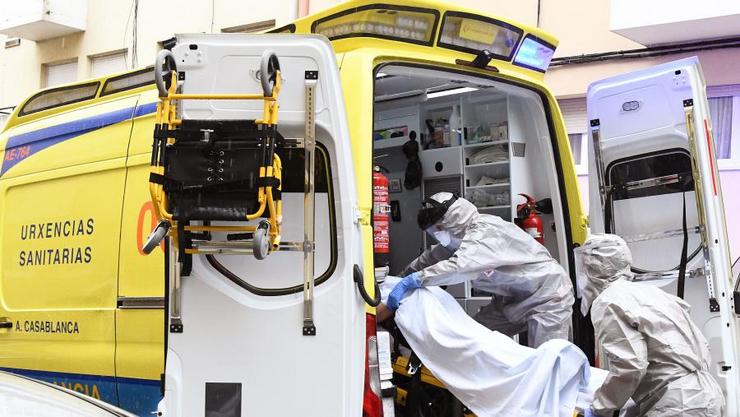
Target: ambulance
x=275, y=315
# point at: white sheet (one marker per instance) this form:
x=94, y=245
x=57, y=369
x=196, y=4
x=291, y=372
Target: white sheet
x=486, y=370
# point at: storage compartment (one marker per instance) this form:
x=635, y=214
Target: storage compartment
x=441, y=162
x=483, y=140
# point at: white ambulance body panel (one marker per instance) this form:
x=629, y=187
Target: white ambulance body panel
x=648, y=131
x=242, y=350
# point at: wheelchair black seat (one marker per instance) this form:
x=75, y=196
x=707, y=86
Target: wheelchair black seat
x=213, y=169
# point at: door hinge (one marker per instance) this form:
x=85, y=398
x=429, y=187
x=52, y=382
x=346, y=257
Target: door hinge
x=361, y=217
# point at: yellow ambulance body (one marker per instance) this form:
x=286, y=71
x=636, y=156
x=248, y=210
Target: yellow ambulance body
x=80, y=304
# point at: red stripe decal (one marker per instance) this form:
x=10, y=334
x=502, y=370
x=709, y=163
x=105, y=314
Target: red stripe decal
x=711, y=155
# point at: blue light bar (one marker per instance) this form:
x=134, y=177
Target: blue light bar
x=534, y=54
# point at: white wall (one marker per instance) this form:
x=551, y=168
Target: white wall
x=655, y=12
x=110, y=27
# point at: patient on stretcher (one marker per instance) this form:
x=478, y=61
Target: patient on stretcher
x=487, y=371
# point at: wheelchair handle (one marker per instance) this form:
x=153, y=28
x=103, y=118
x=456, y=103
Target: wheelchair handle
x=164, y=58
x=269, y=66
x=360, y=281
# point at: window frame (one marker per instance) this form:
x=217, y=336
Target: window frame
x=380, y=6
x=104, y=92
x=334, y=244
x=45, y=71
x=733, y=162
x=118, y=52
x=22, y=112
x=482, y=19
x=581, y=164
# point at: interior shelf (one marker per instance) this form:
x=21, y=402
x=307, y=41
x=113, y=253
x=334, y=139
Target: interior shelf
x=492, y=208
x=489, y=186
x=390, y=143
x=484, y=144
x=487, y=164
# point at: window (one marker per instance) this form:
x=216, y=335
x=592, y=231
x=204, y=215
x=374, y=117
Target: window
x=284, y=275
x=574, y=116
x=724, y=112
x=59, y=97
x=401, y=23
x=108, y=63
x=577, y=146
x=470, y=33
x=128, y=81
x=720, y=111
x=59, y=73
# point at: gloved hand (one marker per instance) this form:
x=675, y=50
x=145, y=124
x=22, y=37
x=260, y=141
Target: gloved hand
x=589, y=413
x=410, y=282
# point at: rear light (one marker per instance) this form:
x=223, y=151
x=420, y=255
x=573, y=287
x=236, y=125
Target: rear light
x=372, y=405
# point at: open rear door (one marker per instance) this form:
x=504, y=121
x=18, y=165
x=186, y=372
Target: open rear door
x=241, y=339
x=653, y=180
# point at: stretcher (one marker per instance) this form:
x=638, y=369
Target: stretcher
x=427, y=396
x=445, y=363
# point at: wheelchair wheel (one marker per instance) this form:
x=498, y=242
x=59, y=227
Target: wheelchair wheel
x=163, y=67
x=261, y=242
x=269, y=66
x=155, y=238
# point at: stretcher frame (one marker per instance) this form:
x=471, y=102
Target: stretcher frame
x=166, y=116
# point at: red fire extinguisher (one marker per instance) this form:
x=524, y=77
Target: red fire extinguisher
x=381, y=218
x=528, y=218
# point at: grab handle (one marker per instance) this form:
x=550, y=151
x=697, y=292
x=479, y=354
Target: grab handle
x=6, y=324
x=360, y=281
x=163, y=67
x=269, y=67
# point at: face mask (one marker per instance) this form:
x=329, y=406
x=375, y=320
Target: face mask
x=444, y=238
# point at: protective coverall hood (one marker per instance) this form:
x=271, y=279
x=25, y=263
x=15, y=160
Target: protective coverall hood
x=458, y=217
x=603, y=259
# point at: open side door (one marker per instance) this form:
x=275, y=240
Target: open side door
x=240, y=337
x=654, y=181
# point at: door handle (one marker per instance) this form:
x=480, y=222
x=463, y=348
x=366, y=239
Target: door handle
x=6, y=324
x=360, y=281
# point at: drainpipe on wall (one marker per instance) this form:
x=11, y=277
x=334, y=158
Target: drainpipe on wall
x=292, y=10
x=303, y=7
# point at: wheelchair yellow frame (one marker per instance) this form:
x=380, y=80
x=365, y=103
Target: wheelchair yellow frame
x=166, y=115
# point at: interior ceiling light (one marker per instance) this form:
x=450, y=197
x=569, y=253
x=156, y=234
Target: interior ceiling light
x=451, y=92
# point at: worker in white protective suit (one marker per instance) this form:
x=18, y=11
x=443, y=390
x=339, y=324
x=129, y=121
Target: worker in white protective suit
x=654, y=352
x=531, y=291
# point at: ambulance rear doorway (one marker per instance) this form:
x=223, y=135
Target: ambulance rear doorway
x=483, y=139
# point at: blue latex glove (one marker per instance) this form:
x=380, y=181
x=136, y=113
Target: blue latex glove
x=410, y=282
x=589, y=413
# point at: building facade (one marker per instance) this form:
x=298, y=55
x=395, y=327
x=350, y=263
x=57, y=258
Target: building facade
x=70, y=40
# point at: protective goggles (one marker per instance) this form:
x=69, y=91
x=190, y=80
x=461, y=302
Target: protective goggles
x=432, y=211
